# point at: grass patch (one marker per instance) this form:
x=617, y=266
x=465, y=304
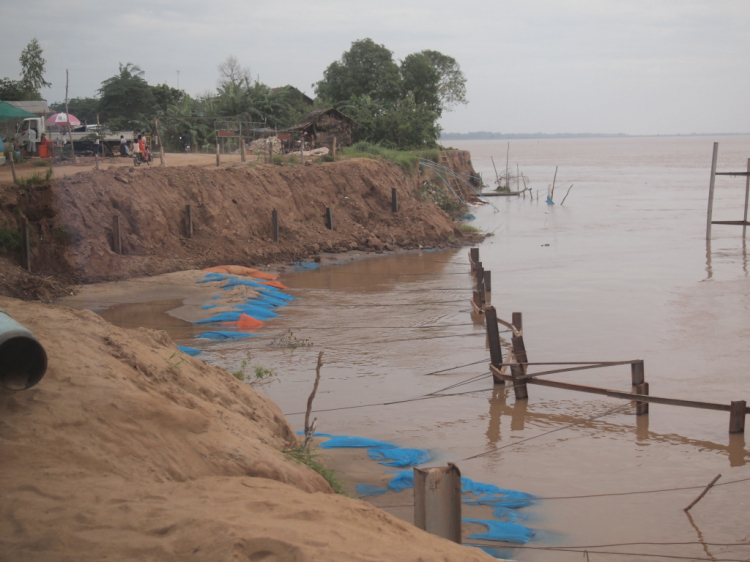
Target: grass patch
x=468, y=228
x=10, y=239
x=36, y=179
x=260, y=376
x=408, y=160
x=307, y=457
x=442, y=197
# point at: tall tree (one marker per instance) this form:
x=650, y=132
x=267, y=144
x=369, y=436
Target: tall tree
x=232, y=72
x=165, y=95
x=32, y=68
x=83, y=108
x=127, y=98
x=365, y=69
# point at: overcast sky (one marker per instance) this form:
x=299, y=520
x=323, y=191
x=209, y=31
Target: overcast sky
x=603, y=66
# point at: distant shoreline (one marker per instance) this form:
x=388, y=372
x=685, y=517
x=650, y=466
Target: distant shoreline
x=482, y=135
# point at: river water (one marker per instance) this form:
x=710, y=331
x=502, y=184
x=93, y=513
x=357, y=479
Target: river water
x=621, y=271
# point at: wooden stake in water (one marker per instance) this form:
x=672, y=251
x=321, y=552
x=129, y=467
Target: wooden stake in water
x=703, y=493
x=553, y=185
x=711, y=186
x=747, y=192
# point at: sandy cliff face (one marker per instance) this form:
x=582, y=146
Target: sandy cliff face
x=72, y=218
x=127, y=450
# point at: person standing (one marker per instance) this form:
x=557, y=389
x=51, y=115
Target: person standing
x=123, y=146
x=31, y=145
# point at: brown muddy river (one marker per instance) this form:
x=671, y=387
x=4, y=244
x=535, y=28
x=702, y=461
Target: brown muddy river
x=621, y=271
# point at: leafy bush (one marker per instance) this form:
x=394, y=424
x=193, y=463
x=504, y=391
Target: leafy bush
x=10, y=239
x=304, y=456
x=36, y=179
x=408, y=160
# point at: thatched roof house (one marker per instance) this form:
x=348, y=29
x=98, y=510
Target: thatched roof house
x=322, y=125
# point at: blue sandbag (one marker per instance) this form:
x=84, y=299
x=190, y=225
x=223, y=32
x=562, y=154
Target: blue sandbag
x=213, y=277
x=399, y=457
x=370, y=490
x=255, y=311
x=234, y=282
x=345, y=442
x=216, y=297
x=260, y=304
x=402, y=481
x=505, y=532
x=272, y=299
x=223, y=317
x=225, y=335
x=273, y=291
x=505, y=514
x=305, y=265
x=549, y=200
x=206, y=306
x=189, y=350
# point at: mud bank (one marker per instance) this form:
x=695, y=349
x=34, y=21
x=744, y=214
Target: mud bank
x=128, y=449
x=72, y=230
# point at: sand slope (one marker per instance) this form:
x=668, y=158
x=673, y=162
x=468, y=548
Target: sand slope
x=126, y=451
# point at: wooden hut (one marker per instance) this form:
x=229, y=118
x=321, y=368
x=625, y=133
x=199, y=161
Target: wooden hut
x=322, y=125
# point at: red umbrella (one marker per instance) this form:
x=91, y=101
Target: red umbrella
x=62, y=119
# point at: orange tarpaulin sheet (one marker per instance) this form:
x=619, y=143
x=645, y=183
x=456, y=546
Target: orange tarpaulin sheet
x=276, y=284
x=246, y=321
x=241, y=270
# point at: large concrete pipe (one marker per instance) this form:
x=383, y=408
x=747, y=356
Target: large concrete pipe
x=23, y=360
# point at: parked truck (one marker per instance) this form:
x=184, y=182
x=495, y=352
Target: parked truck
x=83, y=136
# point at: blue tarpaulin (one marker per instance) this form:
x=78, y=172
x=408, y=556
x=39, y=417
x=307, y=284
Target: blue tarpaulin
x=210, y=277
x=370, y=490
x=256, y=311
x=225, y=335
x=305, y=265
x=345, y=442
x=399, y=457
x=499, y=531
x=189, y=350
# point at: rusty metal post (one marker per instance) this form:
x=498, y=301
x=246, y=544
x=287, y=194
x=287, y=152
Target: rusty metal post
x=737, y=417
x=394, y=200
x=437, y=501
x=473, y=257
x=479, y=272
x=493, y=339
x=329, y=218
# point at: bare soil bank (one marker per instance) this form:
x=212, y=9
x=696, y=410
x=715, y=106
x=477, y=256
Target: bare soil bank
x=130, y=450
x=72, y=233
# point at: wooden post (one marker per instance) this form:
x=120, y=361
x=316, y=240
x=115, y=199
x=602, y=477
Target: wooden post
x=67, y=116
x=737, y=417
x=517, y=321
x=189, y=220
x=162, y=160
x=488, y=281
x=98, y=138
x=747, y=193
x=218, y=150
x=711, y=191
x=270, y=151
x=641, y=408
x=329, y=218
x=335, y=139
x=275, y=225
x=493, y=339
x=26, y=241
x=703, y=493
x=437, y=501
x=473, y=257
x=242, y=150
x=116, y=236
x=394, y=200
x=519, y=370
x=637, y=373
x=13, y=165
x=302, y=150
x=480, y=280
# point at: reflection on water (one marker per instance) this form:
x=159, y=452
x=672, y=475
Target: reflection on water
x=151, y=314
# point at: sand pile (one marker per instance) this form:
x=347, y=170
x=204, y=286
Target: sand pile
x=130, y=450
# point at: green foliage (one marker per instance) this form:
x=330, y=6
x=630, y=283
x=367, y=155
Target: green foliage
x=12, y=90
x=127, y=101
x=164, y=96
x=304, y=456
x=10, y=239
x=260, y=377
x=291, y=341
x=37, y=178
x=408, y=160
x=83, y=108
x=469, y=229
x=32, y=69
x=442, y=197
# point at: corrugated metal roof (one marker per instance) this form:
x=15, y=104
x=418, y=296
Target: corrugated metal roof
x=39, y=107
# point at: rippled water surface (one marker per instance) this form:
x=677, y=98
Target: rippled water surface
x=621, y=271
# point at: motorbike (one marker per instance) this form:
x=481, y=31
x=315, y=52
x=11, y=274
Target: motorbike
x=139, y=158
x=187, y=148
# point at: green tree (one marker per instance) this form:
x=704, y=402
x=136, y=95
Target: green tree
x=420, y=79
x=365, y=69
x=12, y=90
x=32, y=69
x=127, y=101
x=452, y=83
x=164, y=96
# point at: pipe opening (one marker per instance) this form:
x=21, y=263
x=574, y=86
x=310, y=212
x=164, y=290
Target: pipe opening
x=23, y=363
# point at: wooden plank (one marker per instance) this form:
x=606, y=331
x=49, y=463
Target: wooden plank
x=736, y=223
x=488, y=281
x=619, y=394
x=747, y=196
x=637, y=373
x=641, y=408
x=517, y=320
x=518, y=371
x=570, y=369
x=394, y=200
x=493, y=338
x=742, y=174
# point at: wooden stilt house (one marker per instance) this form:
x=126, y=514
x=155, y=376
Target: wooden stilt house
x=322, y=125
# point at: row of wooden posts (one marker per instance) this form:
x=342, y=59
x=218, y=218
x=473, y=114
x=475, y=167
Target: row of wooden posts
x=117, y=236
x=515, y=368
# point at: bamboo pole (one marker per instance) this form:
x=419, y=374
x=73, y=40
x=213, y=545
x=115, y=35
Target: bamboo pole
x=67, y=116
x=703, y=493
x=13, y=165
x=553, y=185
x=711, y=186
x=162, y=161
x=98, y=143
